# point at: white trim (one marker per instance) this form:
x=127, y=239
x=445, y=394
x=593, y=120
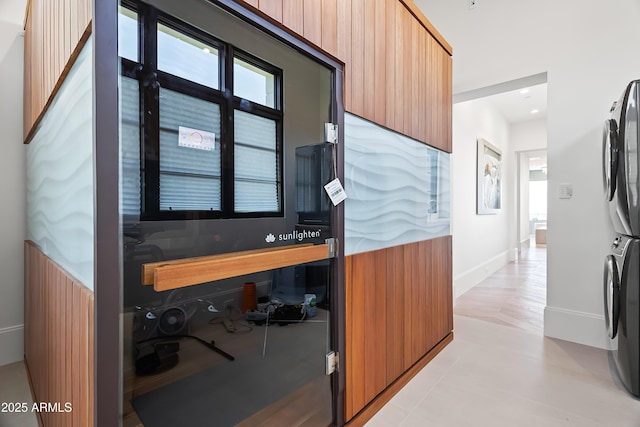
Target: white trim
x=576, y=326
x=11, y=344
x=468, y=279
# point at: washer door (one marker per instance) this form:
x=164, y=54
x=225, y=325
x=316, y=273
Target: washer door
x=610, y=155
x=611, y=295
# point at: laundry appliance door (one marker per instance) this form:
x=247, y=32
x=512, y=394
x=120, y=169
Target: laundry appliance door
x=628, y=134
x=611, y=295
x=621, y=160
x=622, y=309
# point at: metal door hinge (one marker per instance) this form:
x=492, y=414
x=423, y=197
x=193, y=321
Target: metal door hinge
x=331, y=365
x=332, y=243
x=331, y=133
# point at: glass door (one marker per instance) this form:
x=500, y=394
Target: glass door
x=228, y=259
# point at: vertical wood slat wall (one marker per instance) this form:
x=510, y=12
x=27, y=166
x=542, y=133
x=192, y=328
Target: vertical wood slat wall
x=58, y=340
x=399, y=307
x=55, y=31
x=397, y=66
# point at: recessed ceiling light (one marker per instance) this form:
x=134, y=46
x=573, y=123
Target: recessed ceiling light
x=523, y=91
x=534, y=111
x=206, y=50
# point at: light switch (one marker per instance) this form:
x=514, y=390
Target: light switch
x=565, y=191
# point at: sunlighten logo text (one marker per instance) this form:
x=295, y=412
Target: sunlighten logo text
x=295, y=235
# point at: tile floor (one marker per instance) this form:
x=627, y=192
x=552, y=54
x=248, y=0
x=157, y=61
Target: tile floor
x=500, y=373
x=14, y=388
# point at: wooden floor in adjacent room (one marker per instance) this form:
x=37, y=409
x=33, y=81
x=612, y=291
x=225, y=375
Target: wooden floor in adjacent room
x=513, y=296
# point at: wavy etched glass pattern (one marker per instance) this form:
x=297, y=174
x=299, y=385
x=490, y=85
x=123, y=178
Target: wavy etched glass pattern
x=398, y=189
x=60, y=215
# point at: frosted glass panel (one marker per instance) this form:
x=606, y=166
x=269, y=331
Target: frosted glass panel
x=398, y=188
x=60, y=175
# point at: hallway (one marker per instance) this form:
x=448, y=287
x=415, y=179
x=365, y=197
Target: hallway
x=501, y=371
x=514, y=296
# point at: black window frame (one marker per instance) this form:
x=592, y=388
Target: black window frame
x=151, y=79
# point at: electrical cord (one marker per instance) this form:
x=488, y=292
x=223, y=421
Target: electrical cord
x=210, y=345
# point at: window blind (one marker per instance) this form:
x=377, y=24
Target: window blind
x=130, y=146
x=189, y=177
x=257, y=172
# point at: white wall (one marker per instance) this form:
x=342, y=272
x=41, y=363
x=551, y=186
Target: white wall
x=12, y=189
x=589, y=50
x=481, y=243
x=529, y=135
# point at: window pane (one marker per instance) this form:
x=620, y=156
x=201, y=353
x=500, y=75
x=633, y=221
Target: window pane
x=189, y=177
x=186, y=57
x=253, y=83
x=256, y=197
x=256, y=171
x=128, y=34
x=254, y=130
x=130, y=143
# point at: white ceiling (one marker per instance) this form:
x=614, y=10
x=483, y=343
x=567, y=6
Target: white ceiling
x=517, y=106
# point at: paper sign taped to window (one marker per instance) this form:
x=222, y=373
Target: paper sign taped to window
x=335, y=191
x=194, y=138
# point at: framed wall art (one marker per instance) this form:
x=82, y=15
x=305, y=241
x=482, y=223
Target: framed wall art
x=489, y=190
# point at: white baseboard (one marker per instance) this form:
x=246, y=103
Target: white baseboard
x=575, y=326
x=467, y=280
x=11, y=344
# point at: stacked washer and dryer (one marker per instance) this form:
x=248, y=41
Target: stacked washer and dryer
x=621, y=153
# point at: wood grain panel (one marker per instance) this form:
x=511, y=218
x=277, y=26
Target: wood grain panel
x=273, y=8
x=380, y=53
x=369, y=65
x=398, y=307
x=357, y=57
x=293, y=15
x=394, y=70
x=381, y=316
x=371, y=313
x=395, y=305
x=329, y=26
x=390, y=63
x=407, y=54
x=433, y=32
x=416, y=80
x=169, y=275
x=54, y=33
x=448, y=103
x=423, y=111
x=355, y=349
x=430, y=120
x=344, y=48
x=58, y=340
x=398, y=124
x=313, y=21
x=383, y=398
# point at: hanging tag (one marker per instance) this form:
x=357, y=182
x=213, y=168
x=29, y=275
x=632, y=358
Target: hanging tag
x=335, y=191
